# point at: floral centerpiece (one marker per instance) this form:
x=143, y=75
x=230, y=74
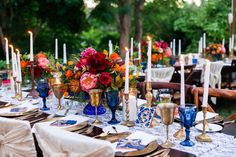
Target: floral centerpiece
x=215, y=52
x=161, y=53
x=42, y=67
x=98, y=71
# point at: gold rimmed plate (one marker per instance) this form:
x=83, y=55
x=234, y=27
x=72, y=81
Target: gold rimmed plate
x=16, y=114
x=151, y=147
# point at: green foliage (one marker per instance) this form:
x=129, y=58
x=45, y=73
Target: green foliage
x=211, y=17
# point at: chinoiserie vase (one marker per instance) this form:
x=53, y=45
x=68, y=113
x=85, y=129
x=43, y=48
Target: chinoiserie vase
x=90, y=109
x=43, y=90
x=187, y=118
x=112, y=99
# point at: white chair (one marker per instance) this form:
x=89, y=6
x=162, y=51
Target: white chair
x=162, y=74
x=56, y=142
x=215, y=74
x=16, y=139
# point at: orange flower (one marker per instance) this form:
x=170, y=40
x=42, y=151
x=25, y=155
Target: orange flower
x=69, y=74
x=74, y=85
x=77, y=75
x=114, y=56
x=70, y=63
x=66, y=94
x=122, y=68
x=154, y=57
x=40, y=55
x=117, y=68
x=159, y=56
x=23, y=64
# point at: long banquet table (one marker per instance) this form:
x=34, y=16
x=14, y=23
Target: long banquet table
x=224, y=142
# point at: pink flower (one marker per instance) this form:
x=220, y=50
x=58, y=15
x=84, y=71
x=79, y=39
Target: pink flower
x=88, y=81
x=81, y=63
x=213, y=52
x=164, y=45
x=157, y=44
x=223, y=50
x=168, y=52
x=43, y=62
x=88, y=52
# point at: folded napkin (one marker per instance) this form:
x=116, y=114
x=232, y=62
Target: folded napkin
x=144, y=138
x=76, y=119
x=25, y=107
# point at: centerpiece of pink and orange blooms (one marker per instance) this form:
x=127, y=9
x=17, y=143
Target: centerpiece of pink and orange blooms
x=42, y=67
x=215, y=52
x=161, y=53
x=98, y=71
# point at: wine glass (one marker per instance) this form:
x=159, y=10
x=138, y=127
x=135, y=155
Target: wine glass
x=43, y=89
x=59, y=90
x=112, y=98
x=95, y=98
x=187, y=117
x=167, y=117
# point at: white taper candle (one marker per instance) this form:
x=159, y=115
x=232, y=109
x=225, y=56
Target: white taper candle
x=31, y=46
x=206, y=83
x=64, y=54
x=182, y=92
x=7, y=50
x=56, y=48
x=127, y=71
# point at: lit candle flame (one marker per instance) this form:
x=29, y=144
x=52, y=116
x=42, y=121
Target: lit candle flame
x=6, y=39
x=17, y=50
x=149, y=38
x=11, y=46
x=126, y=49
x=30, y=32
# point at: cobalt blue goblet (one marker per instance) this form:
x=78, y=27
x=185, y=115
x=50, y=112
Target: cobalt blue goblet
x=112, y=98
x=43, y=89
x=187, y=116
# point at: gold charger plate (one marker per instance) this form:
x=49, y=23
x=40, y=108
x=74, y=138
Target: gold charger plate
x=16, y=114
x=148, y=149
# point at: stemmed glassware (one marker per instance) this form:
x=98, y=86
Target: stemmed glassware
x=112, y=98
x=187, y=116
x=59, y=90
x=95, y=99
x=167, y=117
x=43, y=89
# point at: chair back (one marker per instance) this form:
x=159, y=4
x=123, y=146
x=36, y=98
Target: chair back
x=174, y=87
x=215, y=74
x=53, y=144
x=162, y=74
x=197, y=92
x=16, y=138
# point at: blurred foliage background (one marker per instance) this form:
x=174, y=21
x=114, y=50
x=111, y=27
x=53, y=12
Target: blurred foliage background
x=80, y=26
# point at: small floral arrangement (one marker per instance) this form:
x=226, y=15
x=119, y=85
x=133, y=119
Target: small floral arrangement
x=161, y=52
x=98, y=71
x=215, y=51
x=42, y=65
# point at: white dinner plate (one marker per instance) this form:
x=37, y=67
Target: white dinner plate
x=113, y=128
x=209, y=127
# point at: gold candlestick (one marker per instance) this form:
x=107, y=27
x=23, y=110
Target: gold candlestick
x=204, y=137
x=149, y=94
x=20, y=98
x=15, y=88
x=127, y=122
x=8, y=71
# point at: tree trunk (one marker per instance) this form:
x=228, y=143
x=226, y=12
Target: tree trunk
x=139, y=6
x=124, y=24
x=2, y=43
